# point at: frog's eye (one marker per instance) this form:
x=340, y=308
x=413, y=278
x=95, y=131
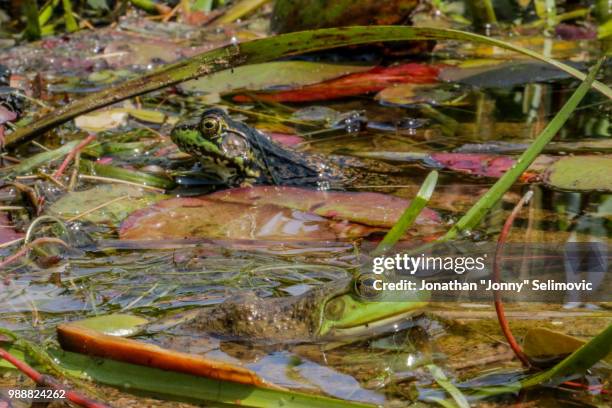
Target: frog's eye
x=234, y=145
x=210, y=126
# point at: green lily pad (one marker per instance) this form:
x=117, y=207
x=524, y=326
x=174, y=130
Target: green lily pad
x=545, y=343
x=270, y=75
x=117, y=324
x=113, y=208
x=581, y=173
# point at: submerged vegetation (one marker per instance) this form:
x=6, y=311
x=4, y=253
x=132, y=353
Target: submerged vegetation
x=193, y=193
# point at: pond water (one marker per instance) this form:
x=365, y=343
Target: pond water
x=468, y=123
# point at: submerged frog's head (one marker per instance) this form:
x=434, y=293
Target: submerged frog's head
x=225, y=147
x=358, y=310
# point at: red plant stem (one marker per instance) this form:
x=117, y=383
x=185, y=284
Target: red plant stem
x=499, y=306
x=72, y=154
x=24, y=249
x=587, y=387
x=48, y=381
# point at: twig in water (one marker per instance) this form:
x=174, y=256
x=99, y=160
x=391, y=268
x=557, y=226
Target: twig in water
x=72, y=154
x=24, y=249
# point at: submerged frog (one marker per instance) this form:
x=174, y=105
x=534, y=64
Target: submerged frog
x=241, y=155
x=332, y=311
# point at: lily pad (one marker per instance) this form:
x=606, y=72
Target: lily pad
x=117, y=324
x=106, y=201
x=505, y=75
x=360, y=83
x=489, y=165
x=373, y=209
x=183, y=218
x=412, y=94
x=116, y=117
x=272, y=213
x=270, y=75
x=581, y=173
x=544, y=343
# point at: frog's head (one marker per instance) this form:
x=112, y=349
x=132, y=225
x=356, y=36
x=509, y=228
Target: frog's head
x=359, y=309
x=222, y=145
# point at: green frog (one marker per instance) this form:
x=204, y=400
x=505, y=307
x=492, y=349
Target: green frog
x=333, y=311
x=240, y=155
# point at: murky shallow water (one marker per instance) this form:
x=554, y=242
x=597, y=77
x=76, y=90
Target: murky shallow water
x=157, y=279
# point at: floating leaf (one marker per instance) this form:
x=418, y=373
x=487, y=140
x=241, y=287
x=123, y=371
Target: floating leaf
x=270, y=75
x=117, y=324
x=374, y=209
x=264, y=50
x=140, y=53
x=581, y=173
x=116, y=117
x=177, y=386
x=489, y=165
x=182, y=218
x=102, y=120
x=273, y=213
x=354, y=84
x=40, y=159
x=411, y=94
x=77, y=338
x=111, y=203
x=505, y=75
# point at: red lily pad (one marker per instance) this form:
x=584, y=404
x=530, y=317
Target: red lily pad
x=183, y=218
x=272, y=213
x=374, y=80
x=373, y=209
x=489, y=165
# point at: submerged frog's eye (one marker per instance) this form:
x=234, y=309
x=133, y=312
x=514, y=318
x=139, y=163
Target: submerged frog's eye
x=234, y=145
x=210, y=126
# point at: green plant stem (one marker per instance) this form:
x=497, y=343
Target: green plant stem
x=151, y=7
x=477, y=212
x=71, y=24
x=239, y=10
x=47, y=12
x=411, y=213
x=30, y=10
x=263, y=50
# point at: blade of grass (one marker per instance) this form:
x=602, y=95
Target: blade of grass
x=131, y=176
x=182, y=387
x=450, y=388
x=411, y=213
x=239, y=10
x=264, y=50
x=69, y=20
x=47, y=12
x=30, y=10
x=33, y=162
x=575, y=364
x=477, y=212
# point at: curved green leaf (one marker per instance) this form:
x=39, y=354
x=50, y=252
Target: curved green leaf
x=263, y=50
